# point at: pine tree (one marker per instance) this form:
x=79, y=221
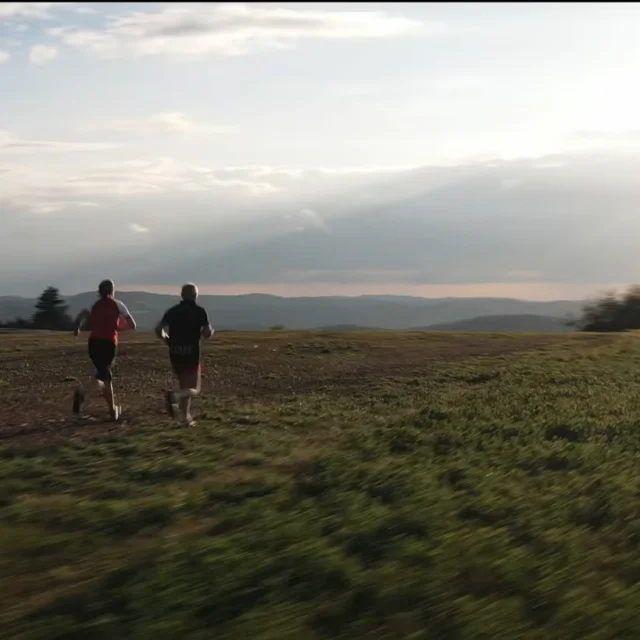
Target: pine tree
x=51, y=312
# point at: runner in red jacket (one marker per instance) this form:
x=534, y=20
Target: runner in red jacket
x=106, y=319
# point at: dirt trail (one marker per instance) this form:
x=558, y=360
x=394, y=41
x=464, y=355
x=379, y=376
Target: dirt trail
x=38, y=372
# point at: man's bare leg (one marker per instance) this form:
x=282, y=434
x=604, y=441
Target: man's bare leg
x=106, y=389
x=107, y=393
x=189, y=387
x=179, y=401
x=185, y=403
x=90, y=385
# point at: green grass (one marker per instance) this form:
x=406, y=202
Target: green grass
x=492, y=497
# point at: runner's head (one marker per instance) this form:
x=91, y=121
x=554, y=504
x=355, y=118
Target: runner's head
x=189, y=292
x=106, y=288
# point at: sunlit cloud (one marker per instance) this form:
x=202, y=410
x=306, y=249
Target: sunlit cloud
x=195, y=30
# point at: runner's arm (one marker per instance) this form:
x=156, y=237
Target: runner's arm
x=80, y=320
x=125, y=315
x=162, y=326
x=207, y=330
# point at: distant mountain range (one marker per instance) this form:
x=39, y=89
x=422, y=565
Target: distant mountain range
x=259, y=312
x=526, y=323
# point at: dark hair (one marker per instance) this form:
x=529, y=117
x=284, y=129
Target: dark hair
x=106, y=288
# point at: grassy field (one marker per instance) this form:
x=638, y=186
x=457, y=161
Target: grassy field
x=370, y=485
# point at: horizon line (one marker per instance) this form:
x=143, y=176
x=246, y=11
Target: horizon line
x=524, y=291
x=519, y=291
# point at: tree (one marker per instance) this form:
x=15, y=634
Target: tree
x=18, y=323
x=612, y=312
x=51, y=312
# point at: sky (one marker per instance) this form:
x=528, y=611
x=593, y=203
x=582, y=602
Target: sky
x=320, y=148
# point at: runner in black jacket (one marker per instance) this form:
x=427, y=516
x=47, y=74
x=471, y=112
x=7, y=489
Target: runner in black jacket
x=182, y=327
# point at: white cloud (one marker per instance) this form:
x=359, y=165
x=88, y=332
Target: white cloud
x=365, y=169
x=30, y=9
x=510, y=183
x=342, y=276
x=60, y=205
x=260, y=171
x=620, y=135
x=69, y=185
x=86, y=11
x=201, y=29
x=42, y=54
x=550, y=164
x=138, y=228
x=4, y=56
x=256, y=171
x=310, y=218
x=253, y=187
x=23, y=187
x=137, y=177
x=457, y=82
x=306, y=219
x=168, y=122
x=9, y=142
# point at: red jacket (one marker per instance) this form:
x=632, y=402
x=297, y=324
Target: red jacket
x=105, y=319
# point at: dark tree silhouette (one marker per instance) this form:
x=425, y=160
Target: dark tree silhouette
x=612, y=312
x=51, y=312
x=18, y=323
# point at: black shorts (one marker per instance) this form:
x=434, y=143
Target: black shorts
x=102, y=353
x=184, y=358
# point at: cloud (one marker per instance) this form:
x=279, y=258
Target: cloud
x=594, y=135
x=258, y=171
x=42, y=54
x=29, y=189
x=347, y=276
x=40, y=10
x=203, y=29
x=4, y=56
x=549, y=164
x=510, y=183
x=253, y=187
x=446, y=225
x=457, y=82
x=138, y=228
x=308, y=219
x=9, y=142
x=25, y=188
x=434, y=225
x=168, y=122
x=61, y=205
x=85, y=11
x=137, y=178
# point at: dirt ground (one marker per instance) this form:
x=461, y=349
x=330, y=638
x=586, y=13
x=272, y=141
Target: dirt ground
x=39, y=371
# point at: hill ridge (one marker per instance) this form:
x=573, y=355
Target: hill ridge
x=264, y=311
